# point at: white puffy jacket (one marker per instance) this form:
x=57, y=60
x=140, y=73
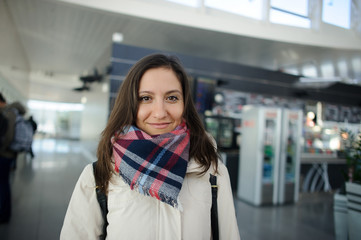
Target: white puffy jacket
x=135, y=216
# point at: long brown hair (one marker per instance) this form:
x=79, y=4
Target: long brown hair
x=125, y=110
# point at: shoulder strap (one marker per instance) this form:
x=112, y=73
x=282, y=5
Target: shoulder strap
x=103, y=203
x=214, y=209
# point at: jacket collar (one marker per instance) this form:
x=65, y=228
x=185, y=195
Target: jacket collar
x=193, y=166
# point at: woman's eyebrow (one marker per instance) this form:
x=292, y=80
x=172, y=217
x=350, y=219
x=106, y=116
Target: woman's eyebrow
x=168, y=92
x=150, y=92
x=174, y=91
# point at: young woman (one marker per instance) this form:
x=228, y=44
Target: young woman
x=154, y=163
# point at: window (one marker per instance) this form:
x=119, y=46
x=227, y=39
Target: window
x=190, y=3
x=57, y=119
x=327, y=70
x=356, y=65
x=56, y=106
x=309, y=70
x=299, y=7
x=342, y=68
x=293, y=13
x=291, y=70
x=337, y=12
x=247, y=8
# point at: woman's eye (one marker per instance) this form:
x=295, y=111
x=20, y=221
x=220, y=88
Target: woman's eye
x=172, y=98
x=144, y=99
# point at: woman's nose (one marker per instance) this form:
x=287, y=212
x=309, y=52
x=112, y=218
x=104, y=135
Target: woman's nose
x=159, y=109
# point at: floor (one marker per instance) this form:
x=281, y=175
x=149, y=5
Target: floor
x=41, y=189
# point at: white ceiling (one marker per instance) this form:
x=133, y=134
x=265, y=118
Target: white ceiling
x=62, y=38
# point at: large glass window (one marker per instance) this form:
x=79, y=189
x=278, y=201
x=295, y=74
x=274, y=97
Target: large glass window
x=190, y=3
x=327, y=70
x=309, y=70
x=356, y=66
x=299, y=7
x=56, y=119
x=293, y=13
x=337, y=12
x=247, y=8
x=291, y=70
x=342, y=68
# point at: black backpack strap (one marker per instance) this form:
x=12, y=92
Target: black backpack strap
x=103, y=203
x=214, y=209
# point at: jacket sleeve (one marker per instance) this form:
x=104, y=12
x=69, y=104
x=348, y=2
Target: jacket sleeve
x=83, y=219
x=228, y=227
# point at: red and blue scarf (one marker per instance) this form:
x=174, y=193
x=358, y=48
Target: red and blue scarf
x=153, y=165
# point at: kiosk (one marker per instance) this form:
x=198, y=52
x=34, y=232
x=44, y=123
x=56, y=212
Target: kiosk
x=290, y=156
x=269, y=155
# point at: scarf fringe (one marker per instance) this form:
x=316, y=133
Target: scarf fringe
x=163, y=198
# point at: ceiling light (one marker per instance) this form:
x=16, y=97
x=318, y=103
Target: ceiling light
x=83, y=100
x=118, y=37
x=105, y=87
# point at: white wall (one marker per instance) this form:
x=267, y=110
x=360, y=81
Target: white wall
x=95, y=113
x=10, y=92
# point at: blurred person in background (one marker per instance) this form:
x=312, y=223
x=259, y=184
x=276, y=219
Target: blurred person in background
x=34, y=126
x=7, y=156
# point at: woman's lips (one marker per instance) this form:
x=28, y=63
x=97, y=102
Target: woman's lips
x=159, y=125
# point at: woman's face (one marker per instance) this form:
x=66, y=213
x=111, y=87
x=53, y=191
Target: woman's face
x=161, y=102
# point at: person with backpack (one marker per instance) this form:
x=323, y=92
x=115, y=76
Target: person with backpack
x=34, y=126
x=7, y=156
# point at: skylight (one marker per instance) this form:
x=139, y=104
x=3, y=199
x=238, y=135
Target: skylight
x=190, y=3
x=337, y=12
x=247, y=8
x=292, y=13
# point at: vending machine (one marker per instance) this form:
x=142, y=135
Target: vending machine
x=290, y=155
x=259, y=155
x=223, y=131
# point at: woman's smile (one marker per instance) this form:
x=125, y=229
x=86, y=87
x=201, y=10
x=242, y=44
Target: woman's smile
x=159, y=125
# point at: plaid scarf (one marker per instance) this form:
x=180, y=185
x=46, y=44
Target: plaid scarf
x=153, y=165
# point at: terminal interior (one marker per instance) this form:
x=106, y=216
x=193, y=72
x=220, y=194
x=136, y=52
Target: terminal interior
x=288, y=90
